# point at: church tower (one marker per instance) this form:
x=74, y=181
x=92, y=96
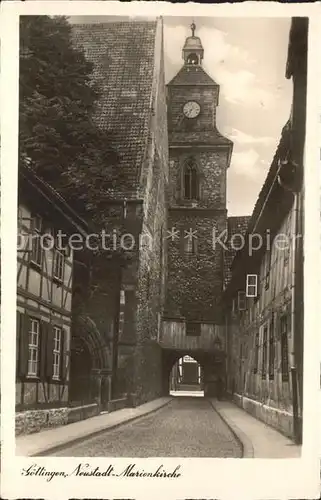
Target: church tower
x=198, y=160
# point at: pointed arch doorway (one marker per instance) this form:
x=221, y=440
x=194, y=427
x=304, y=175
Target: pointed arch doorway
x=80, y=373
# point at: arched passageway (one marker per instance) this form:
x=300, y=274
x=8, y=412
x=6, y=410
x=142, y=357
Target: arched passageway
x=186, y=376
x=208, y=370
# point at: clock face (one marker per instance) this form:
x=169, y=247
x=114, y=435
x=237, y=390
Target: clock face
x=191, y=109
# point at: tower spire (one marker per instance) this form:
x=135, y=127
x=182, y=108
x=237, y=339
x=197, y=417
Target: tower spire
x=193, y=51
x=193, y=28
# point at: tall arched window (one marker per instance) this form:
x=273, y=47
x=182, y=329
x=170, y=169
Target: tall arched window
x=190, y=186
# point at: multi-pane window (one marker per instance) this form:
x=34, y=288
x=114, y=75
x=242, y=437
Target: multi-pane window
x=190, y=181
x=284, y=348
x=264, y=350
x=57, y=332
x=271, y=349
x=33, y=341
x=251, y=285
x=36, y=250
x=59, y=260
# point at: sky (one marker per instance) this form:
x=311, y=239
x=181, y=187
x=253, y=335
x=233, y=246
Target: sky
x=247, y=58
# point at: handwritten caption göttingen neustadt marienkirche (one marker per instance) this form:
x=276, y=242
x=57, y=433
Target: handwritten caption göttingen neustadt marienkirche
x=85, y=469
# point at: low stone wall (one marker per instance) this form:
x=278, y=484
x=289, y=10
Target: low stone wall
x=30, y=421
x=117, y=404
x=279, y=419
x=82, y=412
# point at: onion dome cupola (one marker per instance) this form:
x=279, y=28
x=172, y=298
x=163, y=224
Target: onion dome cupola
x=193, y=51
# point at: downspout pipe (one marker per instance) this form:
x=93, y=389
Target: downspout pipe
x=295, y=226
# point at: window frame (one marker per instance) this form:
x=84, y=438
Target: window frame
x=190, y=168
x=61, y=265
x=33, y=349
x=57, y=353
x=251, y=285
x=36, y=257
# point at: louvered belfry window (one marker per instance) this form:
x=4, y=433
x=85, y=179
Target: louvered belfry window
x=190, y=180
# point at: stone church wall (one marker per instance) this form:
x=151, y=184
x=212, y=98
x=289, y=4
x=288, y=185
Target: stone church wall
x=152, y=256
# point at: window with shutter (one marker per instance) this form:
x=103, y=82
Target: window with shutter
x=63, y=356
x=49, y=357
x=24, y=346
x=43, y=349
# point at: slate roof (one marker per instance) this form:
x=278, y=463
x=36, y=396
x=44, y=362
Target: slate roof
x=27, y=177
x=235, y=225
x=192, y=75
x=123, y=57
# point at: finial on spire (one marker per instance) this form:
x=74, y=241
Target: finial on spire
x=193, y=28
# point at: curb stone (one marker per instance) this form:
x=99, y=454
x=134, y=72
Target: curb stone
x=248, y=450
x=60, y=446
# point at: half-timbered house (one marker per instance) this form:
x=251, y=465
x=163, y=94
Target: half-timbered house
x=44, y=293
x=264, y=297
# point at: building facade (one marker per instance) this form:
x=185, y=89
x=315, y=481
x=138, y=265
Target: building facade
x=44, y=299
x=264, y=297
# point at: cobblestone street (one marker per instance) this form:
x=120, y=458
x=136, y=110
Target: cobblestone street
x=187, y=427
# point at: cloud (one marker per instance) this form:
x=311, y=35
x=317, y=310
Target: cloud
x=230, y=65
x=242, y=138
x=245, y=163
x=242, y=87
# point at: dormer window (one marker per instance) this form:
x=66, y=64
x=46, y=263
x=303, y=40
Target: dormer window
x=190, y=181
x=192, y=59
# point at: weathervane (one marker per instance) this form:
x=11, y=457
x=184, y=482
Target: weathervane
x=193, y=28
